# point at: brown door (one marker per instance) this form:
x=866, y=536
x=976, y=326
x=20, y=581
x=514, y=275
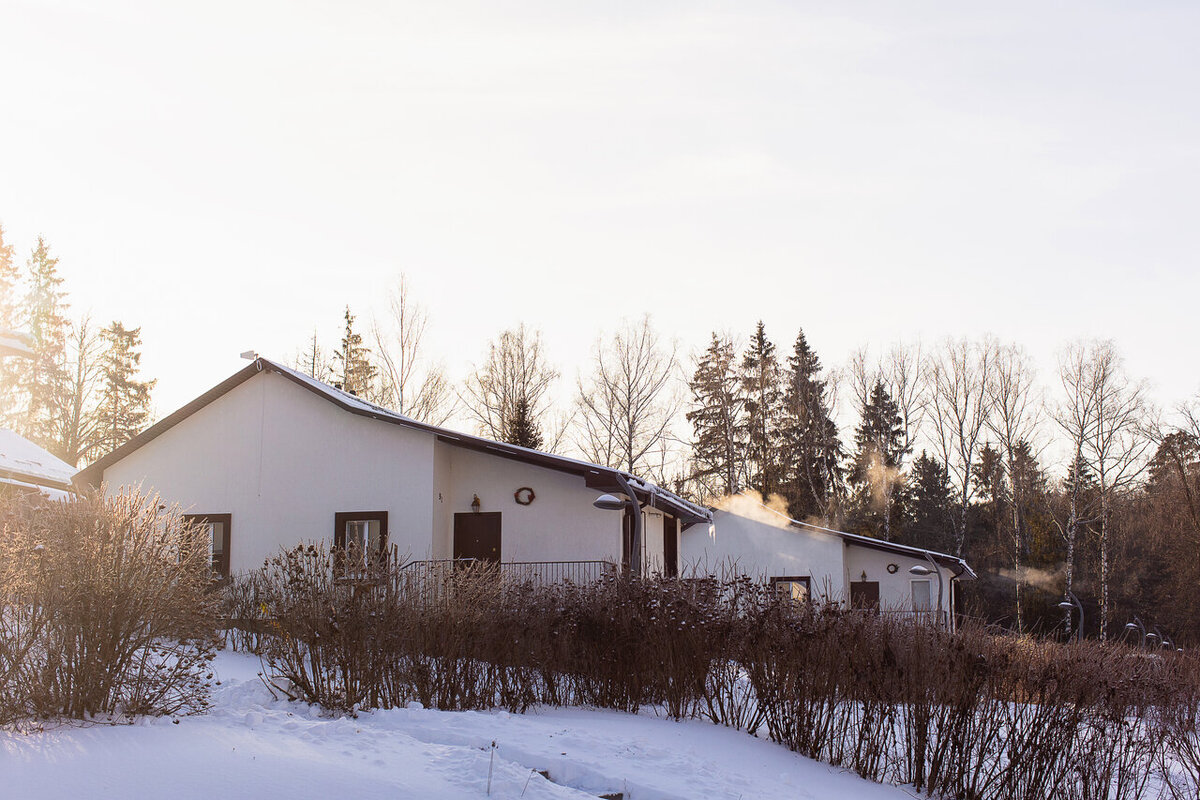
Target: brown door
x=477, y=536
x=864, y=594
x=670, y=547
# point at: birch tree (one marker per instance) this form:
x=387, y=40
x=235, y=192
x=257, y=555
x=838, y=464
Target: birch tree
x=1015, y=415
x=1117, y=448
x=1075, y=415
x=515, y=372
x=958, y=410
x=78, y=430
x=627, y=407
x=410, y=384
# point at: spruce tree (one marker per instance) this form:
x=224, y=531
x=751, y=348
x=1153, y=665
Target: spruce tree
x=929, y=506
x=812, y=450
x=354, y=358
x=125, y=401
x=42, y=384
x=761, y=379
x=716, y=419
x=876, y=471
x=521, y=429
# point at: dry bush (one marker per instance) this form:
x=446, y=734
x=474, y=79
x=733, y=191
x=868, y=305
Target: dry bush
x=967, y=715
x=107, y=609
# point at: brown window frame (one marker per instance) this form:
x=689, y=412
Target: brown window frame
x=340, y=518
x=223, y=570
x=805, y=579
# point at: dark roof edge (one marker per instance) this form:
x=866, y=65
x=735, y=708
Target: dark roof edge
x=91, y=475
x=961, y=569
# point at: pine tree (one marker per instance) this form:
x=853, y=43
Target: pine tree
x=521, y=429
x=42, y=384
x=761, y=380
x=880, y=449
x=716, y=419
x=125, y=403
x=812, y=450
x=357, y=371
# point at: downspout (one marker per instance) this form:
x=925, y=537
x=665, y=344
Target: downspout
x=635, y=547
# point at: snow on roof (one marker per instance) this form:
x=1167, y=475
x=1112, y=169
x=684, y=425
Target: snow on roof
x=357, y=403
x=24, y=460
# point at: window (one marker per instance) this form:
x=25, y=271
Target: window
x=218, y=526
x=792, y=588
x=921, y=596
x=360, y=535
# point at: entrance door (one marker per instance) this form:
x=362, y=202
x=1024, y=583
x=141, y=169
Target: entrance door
x=864, y=594
x=477, y=536
x=670, y=547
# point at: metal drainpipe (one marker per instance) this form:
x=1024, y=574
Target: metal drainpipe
x=635, y=556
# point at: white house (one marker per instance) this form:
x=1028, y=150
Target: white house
x=25, y=467
x=808, y=561
x=271, y=457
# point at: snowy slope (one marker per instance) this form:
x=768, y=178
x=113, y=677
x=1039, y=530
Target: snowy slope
x=253, y=746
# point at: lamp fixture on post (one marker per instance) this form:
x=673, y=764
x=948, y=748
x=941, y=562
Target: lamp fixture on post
x=1072, y=603
x=863, y=577
x=609, y=502
x=921, y=569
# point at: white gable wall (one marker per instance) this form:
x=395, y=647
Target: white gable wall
x=560, y=525
x=895, y=591
x=282, y=461
x=763, y=547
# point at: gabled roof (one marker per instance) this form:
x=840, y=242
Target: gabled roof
x=595, y=476
x=23, y=462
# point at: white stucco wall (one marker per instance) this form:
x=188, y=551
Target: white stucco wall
x=560, y=525
x=895, y=592
x=763, y=545
x=283, y=460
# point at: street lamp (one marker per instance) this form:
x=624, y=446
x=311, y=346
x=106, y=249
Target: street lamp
x=921, y=569
x=610, y=502
x=1137, y=626
x=1073, y=603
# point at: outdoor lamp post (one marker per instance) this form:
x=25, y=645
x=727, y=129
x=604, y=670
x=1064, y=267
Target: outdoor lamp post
x=1072, y=602
x=921, y=569
x=1139, y=628
x=610, y=502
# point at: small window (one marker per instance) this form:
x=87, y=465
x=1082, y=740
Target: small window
x=792, y=588
x=218, y=526
x=360, y=535
x=921, y=596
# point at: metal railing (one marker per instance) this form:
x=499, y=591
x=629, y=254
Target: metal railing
x=539, y=573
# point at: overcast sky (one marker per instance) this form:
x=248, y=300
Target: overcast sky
x=229, y=175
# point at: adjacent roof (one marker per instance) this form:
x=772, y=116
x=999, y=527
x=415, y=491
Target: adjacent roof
x=595, y=476
x=960, y=568
x=22, y=462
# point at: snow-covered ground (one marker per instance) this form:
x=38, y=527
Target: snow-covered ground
x=253, y=746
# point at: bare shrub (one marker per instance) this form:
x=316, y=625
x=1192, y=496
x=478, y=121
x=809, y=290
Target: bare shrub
x=106, y=609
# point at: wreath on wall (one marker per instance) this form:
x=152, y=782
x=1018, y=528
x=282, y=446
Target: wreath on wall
x=891, y=568
x=524, y=496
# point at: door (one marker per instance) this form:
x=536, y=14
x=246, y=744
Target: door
x=670, y=547
x=477, y=536
x=864, y=594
